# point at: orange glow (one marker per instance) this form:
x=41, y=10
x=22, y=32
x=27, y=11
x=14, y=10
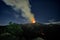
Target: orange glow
x=33, y=20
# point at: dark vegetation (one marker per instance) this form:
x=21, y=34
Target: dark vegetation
x=29, y=31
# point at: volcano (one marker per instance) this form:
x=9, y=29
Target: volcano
x=30, y=31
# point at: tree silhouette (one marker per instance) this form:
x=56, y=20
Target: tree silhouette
x=14, y=28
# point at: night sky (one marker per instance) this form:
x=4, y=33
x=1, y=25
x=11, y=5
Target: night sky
x=43, y=11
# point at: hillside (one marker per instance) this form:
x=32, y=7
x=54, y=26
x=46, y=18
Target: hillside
x=29, y=31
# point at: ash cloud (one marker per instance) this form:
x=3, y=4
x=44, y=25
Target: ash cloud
x=22, y=5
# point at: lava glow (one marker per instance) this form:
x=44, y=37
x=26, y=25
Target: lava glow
x=33, y=20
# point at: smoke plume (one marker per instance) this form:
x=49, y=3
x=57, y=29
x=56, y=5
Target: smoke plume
x=22, y=5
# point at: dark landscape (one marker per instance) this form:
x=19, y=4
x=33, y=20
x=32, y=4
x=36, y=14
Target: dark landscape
x=33, y=31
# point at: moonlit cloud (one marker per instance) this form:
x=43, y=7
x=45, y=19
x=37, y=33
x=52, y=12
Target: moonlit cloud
x=16, y=16
x=53, y=23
